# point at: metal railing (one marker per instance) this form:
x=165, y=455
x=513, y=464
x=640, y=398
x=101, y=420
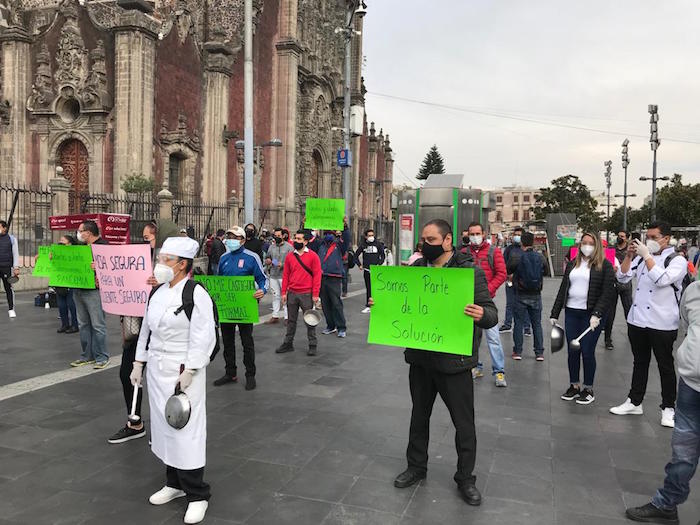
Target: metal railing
x=26, y=211
x=200, y=218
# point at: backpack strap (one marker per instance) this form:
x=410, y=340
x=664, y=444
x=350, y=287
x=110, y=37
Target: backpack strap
x=188, y=306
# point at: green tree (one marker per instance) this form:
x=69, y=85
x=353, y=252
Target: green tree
x=678, y=203
x=569, y=195
x=138, y=183
x=432, y=163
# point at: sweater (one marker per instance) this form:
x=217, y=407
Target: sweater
x=296, y=279
x=331, y=255
x=601, y=290
x=688, y=353
x=9, y=252
x=370, y=254
x=453, y=363
x=278, y=252
x=243, y=262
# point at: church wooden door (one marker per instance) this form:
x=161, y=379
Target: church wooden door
x=73, y=158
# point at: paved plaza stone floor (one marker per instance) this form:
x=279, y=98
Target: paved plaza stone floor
x=321, y=439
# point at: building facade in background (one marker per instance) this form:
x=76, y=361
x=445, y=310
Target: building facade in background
x=513, y=207
x=109, y=89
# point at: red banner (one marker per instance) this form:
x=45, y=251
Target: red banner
x=114, y=227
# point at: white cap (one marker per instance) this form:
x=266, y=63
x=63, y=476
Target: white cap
x=181, y=246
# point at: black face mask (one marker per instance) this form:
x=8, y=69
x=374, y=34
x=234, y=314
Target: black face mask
x=279, y=240
x=620, y=242
x=249, y=234
x=298, y=245
x=432, y=251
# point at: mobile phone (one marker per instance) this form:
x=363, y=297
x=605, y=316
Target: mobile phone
x=637, y=236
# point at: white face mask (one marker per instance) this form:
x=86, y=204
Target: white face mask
x=654, y=246
x=163, y=273
x=476, y=240
x=587, y=250
x=79, y=236
x=370, y=239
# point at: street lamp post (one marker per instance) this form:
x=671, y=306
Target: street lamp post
x=654, y=141
x=248, y=181
x=625, y=163
x=608, y=183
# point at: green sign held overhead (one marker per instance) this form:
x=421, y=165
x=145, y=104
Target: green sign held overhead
x=423, y=308
x=43, y=262
x=233, y=297
x=567, y=242
x=71, y=267
x=324, y=214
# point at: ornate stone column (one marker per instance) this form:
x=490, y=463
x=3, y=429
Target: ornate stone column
x=387, y=182
x=134, y=78
x=217, y=72
x=369, y=204
x=165, y=204
x=16, y=72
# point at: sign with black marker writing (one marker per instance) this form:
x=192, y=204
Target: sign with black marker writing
x=123, y=272
x=422, y=308
x=233, y=297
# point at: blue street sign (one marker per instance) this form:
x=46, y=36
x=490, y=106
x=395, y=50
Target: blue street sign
x=344, y=158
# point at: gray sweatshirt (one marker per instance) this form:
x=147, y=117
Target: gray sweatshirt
x=278, y=253
x=688, y=354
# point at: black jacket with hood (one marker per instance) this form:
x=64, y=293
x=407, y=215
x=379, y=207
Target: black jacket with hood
x=453, y=363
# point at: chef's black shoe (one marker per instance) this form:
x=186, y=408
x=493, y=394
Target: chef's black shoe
x=225, y=379
x=408, y=477
x=284, y=348
x=651, y=514
x=250, y=383
x=470, y=494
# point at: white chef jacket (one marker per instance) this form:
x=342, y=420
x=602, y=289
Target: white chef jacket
x=655, y=303
x=175, y=341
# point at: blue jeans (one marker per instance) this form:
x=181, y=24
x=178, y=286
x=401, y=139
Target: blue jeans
x=685, y=447
x=66, y=306
x=528, y=308
x=91, y=322
x=493, y=339
x=510, y=300
x=575, y=322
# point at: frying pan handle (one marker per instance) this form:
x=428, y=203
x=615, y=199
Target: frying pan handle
x=178, y=390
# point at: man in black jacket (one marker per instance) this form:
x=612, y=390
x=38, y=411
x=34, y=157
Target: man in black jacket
x=449, y=375
x=624, y=290
x=369, y=253
x=217, y=250
x=252, y=243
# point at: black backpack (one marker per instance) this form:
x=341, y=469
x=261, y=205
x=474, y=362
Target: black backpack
x=529, y=272
x=187, y=307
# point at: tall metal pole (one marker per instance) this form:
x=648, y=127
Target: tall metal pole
x=347, y=101
x=624, y=200
x=248, y=184
x=653, y=190
x=608, y=183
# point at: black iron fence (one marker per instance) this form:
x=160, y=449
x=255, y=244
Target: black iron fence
x=26, y=211
x=200, y=218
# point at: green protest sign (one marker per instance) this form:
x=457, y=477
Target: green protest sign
x=71, y=267
x=423, y=308
x=233, y=297
x=41, y=266
x=567, y=242
x=324, y=214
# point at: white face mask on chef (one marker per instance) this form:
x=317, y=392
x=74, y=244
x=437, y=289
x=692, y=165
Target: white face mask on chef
x=654, y=246
x=163, y=273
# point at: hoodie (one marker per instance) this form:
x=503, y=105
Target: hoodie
x=688, y=353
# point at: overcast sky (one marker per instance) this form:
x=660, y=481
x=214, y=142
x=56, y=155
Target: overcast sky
x=592, y=64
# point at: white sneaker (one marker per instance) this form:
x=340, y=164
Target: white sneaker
x=668, y=416
x=366, y=310
x=165, y=495
x=12, y=314
x=627, y=409
x=196, y=511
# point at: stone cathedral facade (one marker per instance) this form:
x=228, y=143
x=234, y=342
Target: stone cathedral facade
x=110, y=88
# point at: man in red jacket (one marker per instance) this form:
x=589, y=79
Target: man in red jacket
x=301, y=288
x=491, y=261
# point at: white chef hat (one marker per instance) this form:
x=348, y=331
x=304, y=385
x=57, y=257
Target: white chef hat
x=184, y=247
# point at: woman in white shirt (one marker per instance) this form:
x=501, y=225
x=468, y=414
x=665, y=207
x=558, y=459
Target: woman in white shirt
x=177, y=350
x=586, y=292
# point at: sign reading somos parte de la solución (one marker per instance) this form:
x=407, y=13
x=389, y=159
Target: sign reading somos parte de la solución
x=422, y=308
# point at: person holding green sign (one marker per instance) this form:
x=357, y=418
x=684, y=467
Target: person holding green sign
x=434, y=372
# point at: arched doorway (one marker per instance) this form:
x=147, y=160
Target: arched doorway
x=73, y=158
x=316, y=175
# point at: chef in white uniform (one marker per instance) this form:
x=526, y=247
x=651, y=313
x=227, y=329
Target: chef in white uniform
x=175, y=341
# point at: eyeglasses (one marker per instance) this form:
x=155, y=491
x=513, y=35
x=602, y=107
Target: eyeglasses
x=165, y=258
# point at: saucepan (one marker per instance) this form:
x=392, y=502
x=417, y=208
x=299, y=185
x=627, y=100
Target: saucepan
x=178, y=407
x=312, y=317
x=557, y=338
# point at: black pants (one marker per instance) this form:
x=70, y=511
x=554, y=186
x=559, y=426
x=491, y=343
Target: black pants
x=296, y=301
x=368, y=285
x=128, y=357
x=644, y=341
x=5, y=274
x=624, y=291
x=457, y=392
x=228, y=334
x=190, y=481
x=331, y=302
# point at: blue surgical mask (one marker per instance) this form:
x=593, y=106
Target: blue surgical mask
x=329, y=237
x=516, y=239
x=232, y=244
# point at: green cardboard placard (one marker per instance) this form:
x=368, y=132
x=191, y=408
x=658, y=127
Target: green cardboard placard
x=567, y=242
x=233, y=297
x=43, y=262
x=324, y=214
x=71, y=267
x=422, y=308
